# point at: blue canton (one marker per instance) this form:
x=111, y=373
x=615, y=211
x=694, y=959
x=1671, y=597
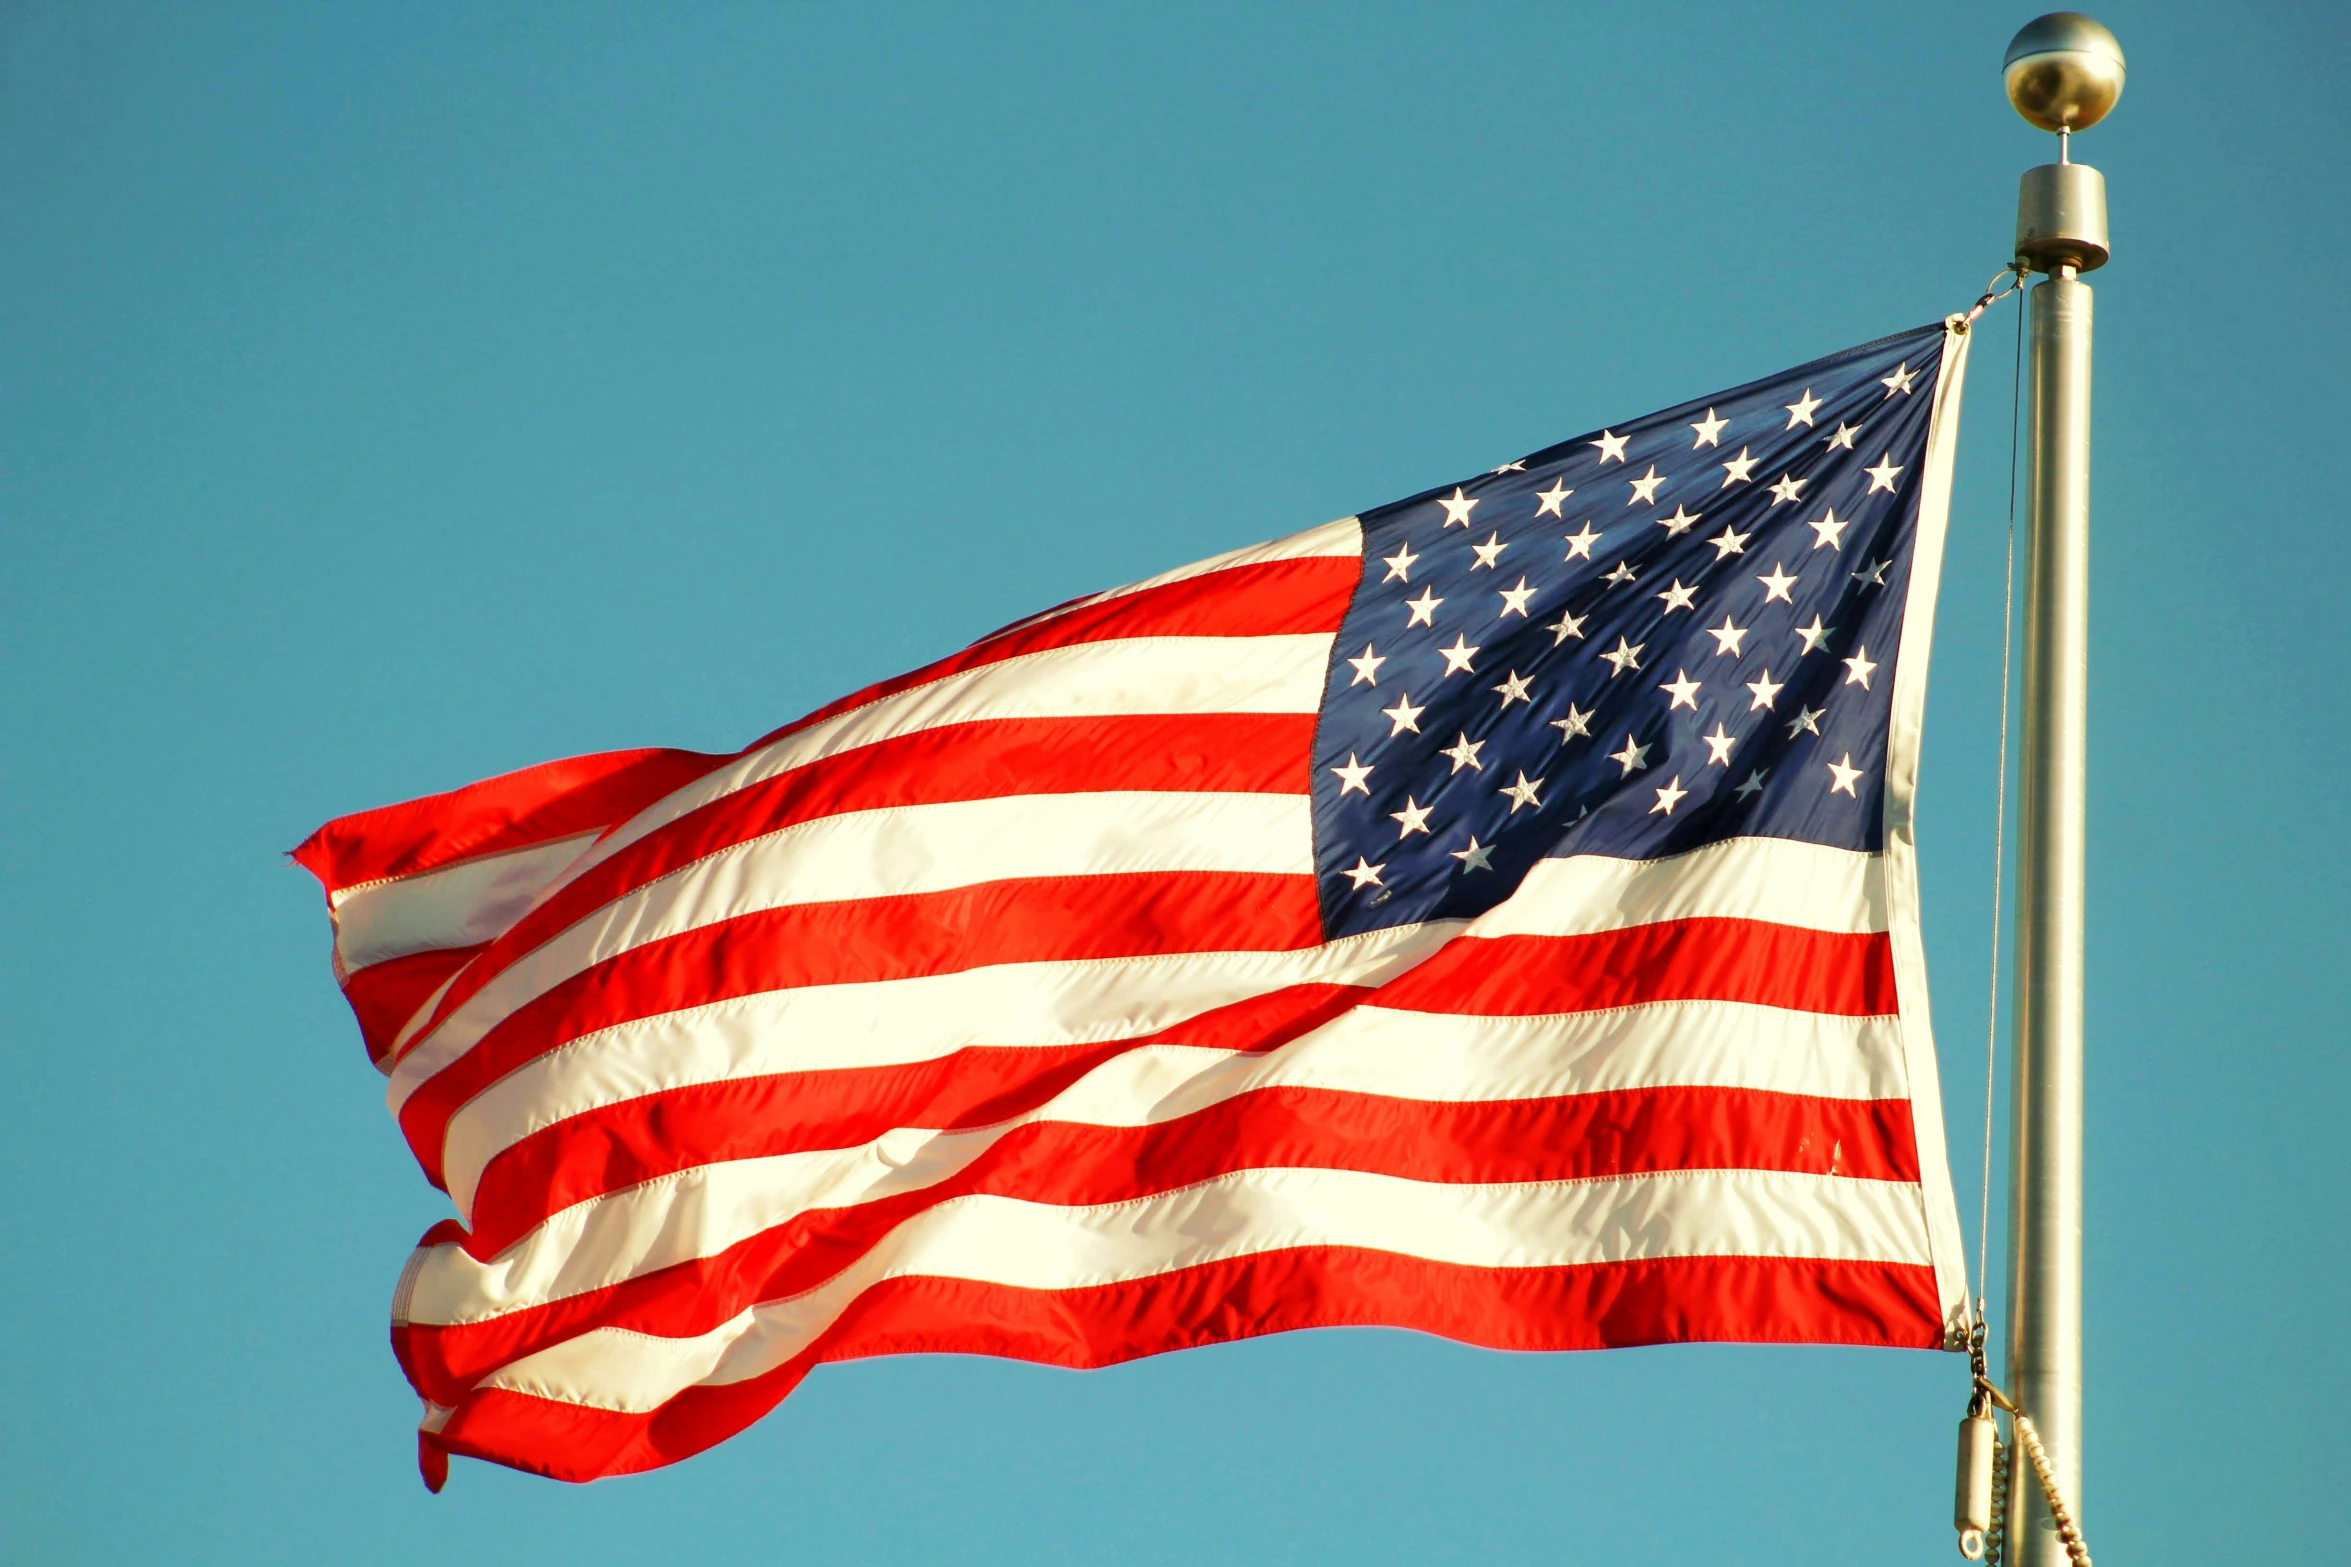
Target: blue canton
x=1666, y=633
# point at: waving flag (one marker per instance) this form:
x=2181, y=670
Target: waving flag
x=1495, y=915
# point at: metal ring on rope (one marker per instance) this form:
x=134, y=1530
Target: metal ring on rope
x=1994, y=293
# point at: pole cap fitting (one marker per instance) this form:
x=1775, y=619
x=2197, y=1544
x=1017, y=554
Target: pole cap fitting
x=2064, y=71
x=2061, y=218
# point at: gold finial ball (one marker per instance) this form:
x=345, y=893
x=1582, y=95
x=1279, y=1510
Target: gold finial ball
x=2064, y=71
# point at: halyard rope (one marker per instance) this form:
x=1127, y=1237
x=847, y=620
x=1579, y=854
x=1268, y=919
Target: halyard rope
x=1986, y=1396
x=2000, y=784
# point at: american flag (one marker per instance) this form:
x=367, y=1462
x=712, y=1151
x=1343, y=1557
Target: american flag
x=1495, y=914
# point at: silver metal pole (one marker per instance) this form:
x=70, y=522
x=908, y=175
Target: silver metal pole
x=2044, y=1366
x=2064, y=72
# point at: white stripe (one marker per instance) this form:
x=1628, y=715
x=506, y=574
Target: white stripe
x=451, y=906
x=821, y=1028
x=1278, y=674
x=1778, y=880
x=1901, y=859
x=1343, y=537
x=1771, y=879
x=1152, y=675
x=702, y=1211
x=1000, y=1240
x=896, y=852
x=1369, y=1050
x=1332, y=539
x=898, y=1022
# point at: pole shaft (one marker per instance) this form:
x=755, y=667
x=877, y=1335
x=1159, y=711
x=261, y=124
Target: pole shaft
x=2045, y=1173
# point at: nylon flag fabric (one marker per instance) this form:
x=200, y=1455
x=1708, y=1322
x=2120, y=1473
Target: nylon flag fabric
x=1494, y=915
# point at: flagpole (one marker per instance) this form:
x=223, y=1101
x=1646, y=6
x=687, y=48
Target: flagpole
x=2064, y=71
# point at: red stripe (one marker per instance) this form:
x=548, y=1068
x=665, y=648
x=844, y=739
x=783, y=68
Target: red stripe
x=1623, y=1132
x=385, y=995
x=1050, y=919
x=1679, y=1300
x=1847, y=975
x=1679, y=960
x=619, y=1145
x=586, y=793
x=511, y=811
x=1269, y=598
x=1261, y=753
x=1579, y=1137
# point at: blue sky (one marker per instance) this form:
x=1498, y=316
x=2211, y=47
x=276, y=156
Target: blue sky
x=392, y=396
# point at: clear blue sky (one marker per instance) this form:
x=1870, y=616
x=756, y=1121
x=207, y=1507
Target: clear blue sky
x=391, y=396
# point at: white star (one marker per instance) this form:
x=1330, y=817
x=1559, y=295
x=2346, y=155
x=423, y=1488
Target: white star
x=1843, y=776
x=1457, y=657
x=1718, y=746
x=1367, y=668
x=1645, y=488
x=1738, y=468
x=1623, y=574
x=1680, y=522
x=1514, y=600
x=1633, y=755
x=1521, y=792
x=1831, y=530
x=1766, y=691
x=1729, y=542
x=1801, y=410
x=1403, y=715
x=1899, y=381
x=1354, y=777
x=1457, y=506
x=1843, y=437
x=1577, y=722
x=1806, y=719
x=1709, y=430
x=1477, y=857
x=1464, y=752
x=1882, y=477
x=1678, y=597
x=1668, y=797
x=1365, y=874
x=1611, y=446
x=1415, y=818
x=1625, y=655
x=1872, y=575
x=1776, y=585
x=1514, y=689
x=1519, y=466
x=1423, y=609
x=1579, y=545
x=1400, y=564
x=1567, y=626
x=1488, y=552
x=1727, y=637
x=1788, y=488
x=1548, y=502
x=1684, y=689
x=1754, y=783
x=1858, y=668
x=1812, y=634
